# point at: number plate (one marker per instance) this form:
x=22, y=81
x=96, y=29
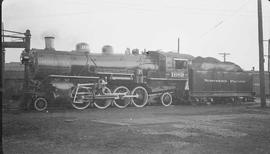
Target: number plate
x=177, y=74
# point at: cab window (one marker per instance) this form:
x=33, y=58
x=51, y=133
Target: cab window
x=180, y=64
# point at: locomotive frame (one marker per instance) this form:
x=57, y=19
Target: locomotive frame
x=152, y=73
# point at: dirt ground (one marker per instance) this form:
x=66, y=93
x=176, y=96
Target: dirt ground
x=178, y=129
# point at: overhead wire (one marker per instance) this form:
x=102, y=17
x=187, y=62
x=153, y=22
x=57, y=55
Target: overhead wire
x=142, y=9
x=225, y=20
x=168, y=8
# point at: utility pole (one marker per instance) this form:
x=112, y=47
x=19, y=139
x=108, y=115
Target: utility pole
x=224, y=55
x=2, y=67
x=261, y=55
x=2, y=62
x=268, y=60
x=269, y=64
x=178, y=46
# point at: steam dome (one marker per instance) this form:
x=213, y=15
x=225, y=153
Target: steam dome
x=107, y=49
x=82, y=47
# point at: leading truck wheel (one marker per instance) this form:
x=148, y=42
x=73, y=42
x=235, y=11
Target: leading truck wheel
x=121, y=102
x=40, y=104
x=80, y=102
x=166, y=99
x=142, y=96
x=103, y=103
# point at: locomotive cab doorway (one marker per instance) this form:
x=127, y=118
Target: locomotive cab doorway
x=180, y=67
x=180, y=72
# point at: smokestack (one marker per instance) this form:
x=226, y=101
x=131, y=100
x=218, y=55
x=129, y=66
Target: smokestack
x=49, y=43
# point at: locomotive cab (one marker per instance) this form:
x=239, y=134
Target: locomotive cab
x=180, y=67
x=171, y=78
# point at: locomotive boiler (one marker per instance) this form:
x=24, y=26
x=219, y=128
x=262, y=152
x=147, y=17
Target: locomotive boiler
x=104, y=79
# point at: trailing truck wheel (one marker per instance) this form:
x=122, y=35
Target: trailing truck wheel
x=166, y=99
x=80, y=102
x=142, y=96
x=103, y=103
x=40, y=104
x=121, y=102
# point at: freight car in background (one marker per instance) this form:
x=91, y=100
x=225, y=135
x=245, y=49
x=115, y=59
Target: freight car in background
x=256, y=83
x=13, y=83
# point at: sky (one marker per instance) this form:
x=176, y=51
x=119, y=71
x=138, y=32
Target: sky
x=205, y=27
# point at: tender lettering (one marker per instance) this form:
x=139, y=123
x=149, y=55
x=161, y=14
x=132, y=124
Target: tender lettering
x=224, y=81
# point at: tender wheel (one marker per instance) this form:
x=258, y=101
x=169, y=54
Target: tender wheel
x=142, y=98
x=124, y=102
x=103, y=104
x=80, y=102
x=166, y=99
x=40, y=104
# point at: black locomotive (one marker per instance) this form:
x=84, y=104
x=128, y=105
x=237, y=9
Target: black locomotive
x=107, y=78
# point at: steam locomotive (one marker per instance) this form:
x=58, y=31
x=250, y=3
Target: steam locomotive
x=105, y=79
